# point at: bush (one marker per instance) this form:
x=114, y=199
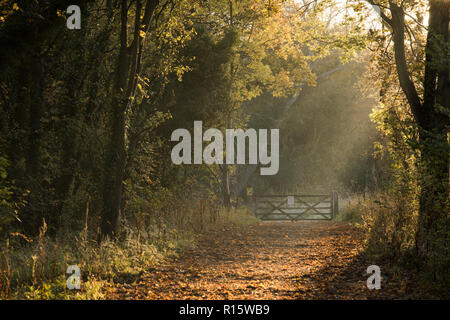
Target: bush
x=389, y=220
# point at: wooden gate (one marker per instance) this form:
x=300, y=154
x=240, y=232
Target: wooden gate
x=296, y=207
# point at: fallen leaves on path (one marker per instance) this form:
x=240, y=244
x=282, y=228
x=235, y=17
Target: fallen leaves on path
x=267, y=260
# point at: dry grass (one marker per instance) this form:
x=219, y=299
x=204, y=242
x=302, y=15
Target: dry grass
x=36, y=269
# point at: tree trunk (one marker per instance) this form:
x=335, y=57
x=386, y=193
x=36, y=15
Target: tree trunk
x=431, y=116
x=31, y=214
x=432, y=236
x=115, y=156
x=114, y=171
x=124, y=90
x=226, y=186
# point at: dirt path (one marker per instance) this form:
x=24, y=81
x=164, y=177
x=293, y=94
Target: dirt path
x=268, y=260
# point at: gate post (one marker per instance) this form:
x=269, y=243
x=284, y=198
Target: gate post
x=335, y=204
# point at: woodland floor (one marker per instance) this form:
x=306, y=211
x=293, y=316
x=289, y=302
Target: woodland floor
x=270, y=260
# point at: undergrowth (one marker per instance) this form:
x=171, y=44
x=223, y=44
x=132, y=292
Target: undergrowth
x=389, y=222
x=36, y=268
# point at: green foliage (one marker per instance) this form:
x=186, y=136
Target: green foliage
x=352, y=212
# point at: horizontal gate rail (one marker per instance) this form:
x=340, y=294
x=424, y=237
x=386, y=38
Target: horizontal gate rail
x=296, y=207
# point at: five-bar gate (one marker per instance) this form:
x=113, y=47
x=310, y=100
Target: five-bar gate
x=296, y=207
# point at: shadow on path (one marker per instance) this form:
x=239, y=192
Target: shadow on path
x=267, y=260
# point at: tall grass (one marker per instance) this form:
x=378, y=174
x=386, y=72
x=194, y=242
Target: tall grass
x=151, y=231
x=389, y=221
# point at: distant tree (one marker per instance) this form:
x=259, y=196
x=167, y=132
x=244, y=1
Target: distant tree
x=270, y=47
